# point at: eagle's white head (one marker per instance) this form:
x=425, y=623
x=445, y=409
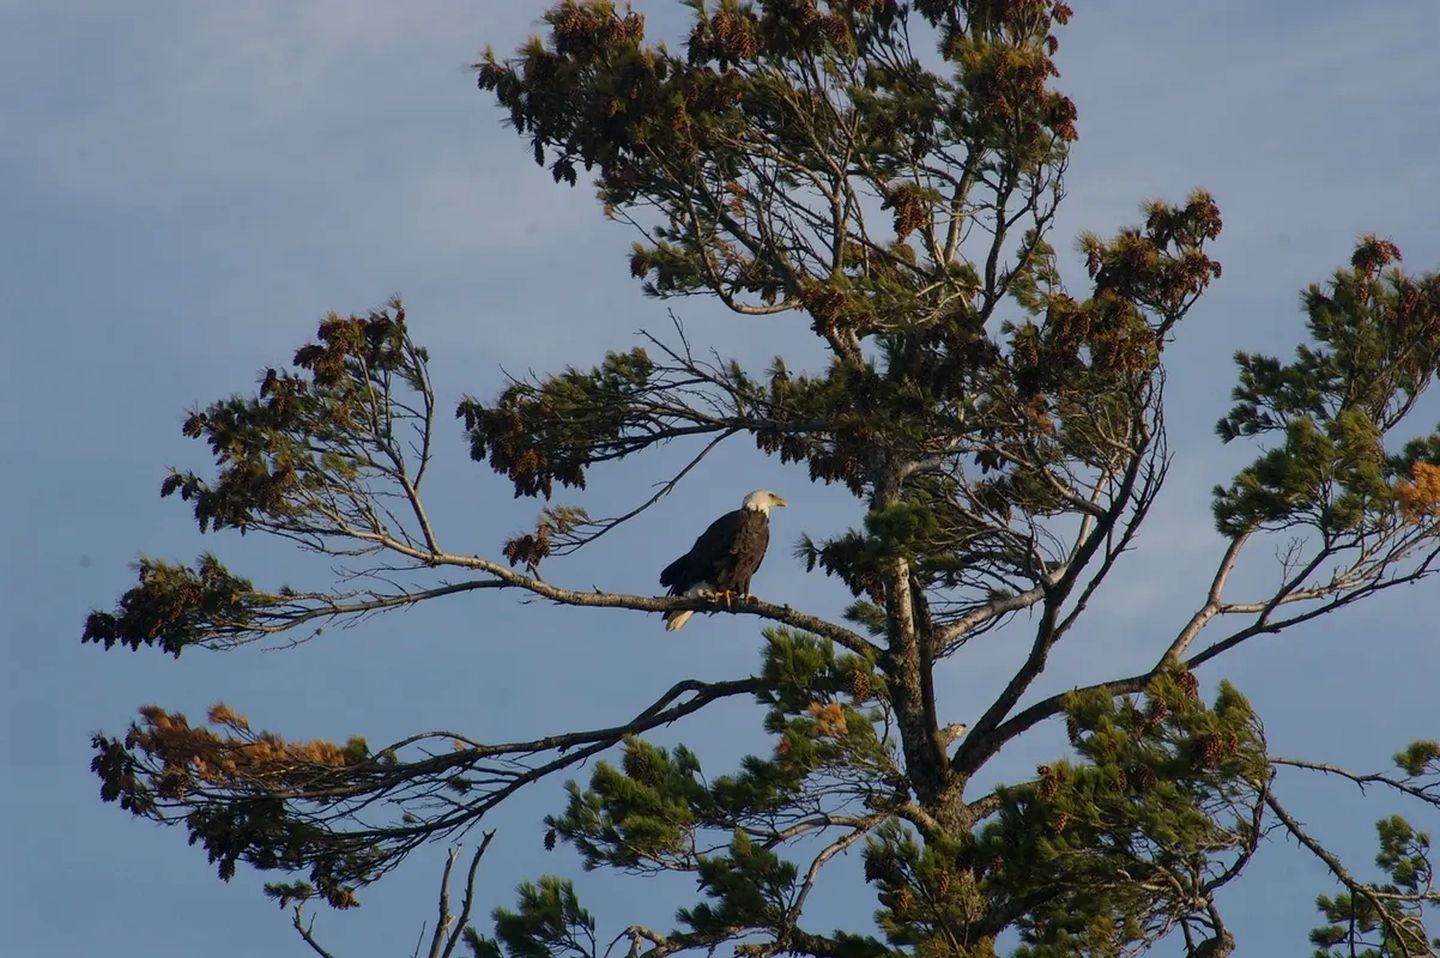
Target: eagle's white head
x=762, y=501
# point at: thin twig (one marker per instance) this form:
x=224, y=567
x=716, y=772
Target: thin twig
x=306, y=931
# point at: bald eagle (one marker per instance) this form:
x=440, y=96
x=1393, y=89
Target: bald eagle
x=725, y=556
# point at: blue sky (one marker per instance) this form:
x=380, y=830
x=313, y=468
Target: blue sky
x=189, y=186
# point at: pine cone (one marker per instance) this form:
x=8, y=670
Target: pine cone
x=903, y=901
x=1145, y=778
x=1232, y=743
x=1072, y=729
x=1190, y=684
x=942, y=883
x=640, y=765
x=1158, y=711
x=550, y=840
x=1049, y=785
x=858, y=684
x=1061, y=821
x=1210, y=750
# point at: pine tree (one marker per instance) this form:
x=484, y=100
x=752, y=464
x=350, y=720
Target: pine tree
x=819, y=162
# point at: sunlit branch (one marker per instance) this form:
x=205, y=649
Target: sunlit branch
x=306, y=931
x=1212, y=604
x=956, y=632
x=442, y=945
x=860, y=830
x=1271, y=626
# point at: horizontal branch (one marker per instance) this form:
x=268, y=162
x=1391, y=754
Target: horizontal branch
x=660, y=712
x=1425, y=793
x=615, y=600
x=988, y=612
x=656, y=714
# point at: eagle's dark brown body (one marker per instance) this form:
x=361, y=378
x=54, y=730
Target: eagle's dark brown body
x=724, y=557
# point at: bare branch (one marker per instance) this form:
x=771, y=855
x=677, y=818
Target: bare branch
x=983, y=740
x=467, y=904
x=861, y=829
x=1406, y=928
x=1212, y=601
x=955, y=633
x=1263, y=625
x=597, y=528
x=306, y=930
x=1429, y=793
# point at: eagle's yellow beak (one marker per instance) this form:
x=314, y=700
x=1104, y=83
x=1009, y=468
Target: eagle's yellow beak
x=777, y=501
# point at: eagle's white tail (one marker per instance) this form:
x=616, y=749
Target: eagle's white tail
x=677, y=619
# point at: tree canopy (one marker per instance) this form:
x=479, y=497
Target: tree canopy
x=886, y=175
